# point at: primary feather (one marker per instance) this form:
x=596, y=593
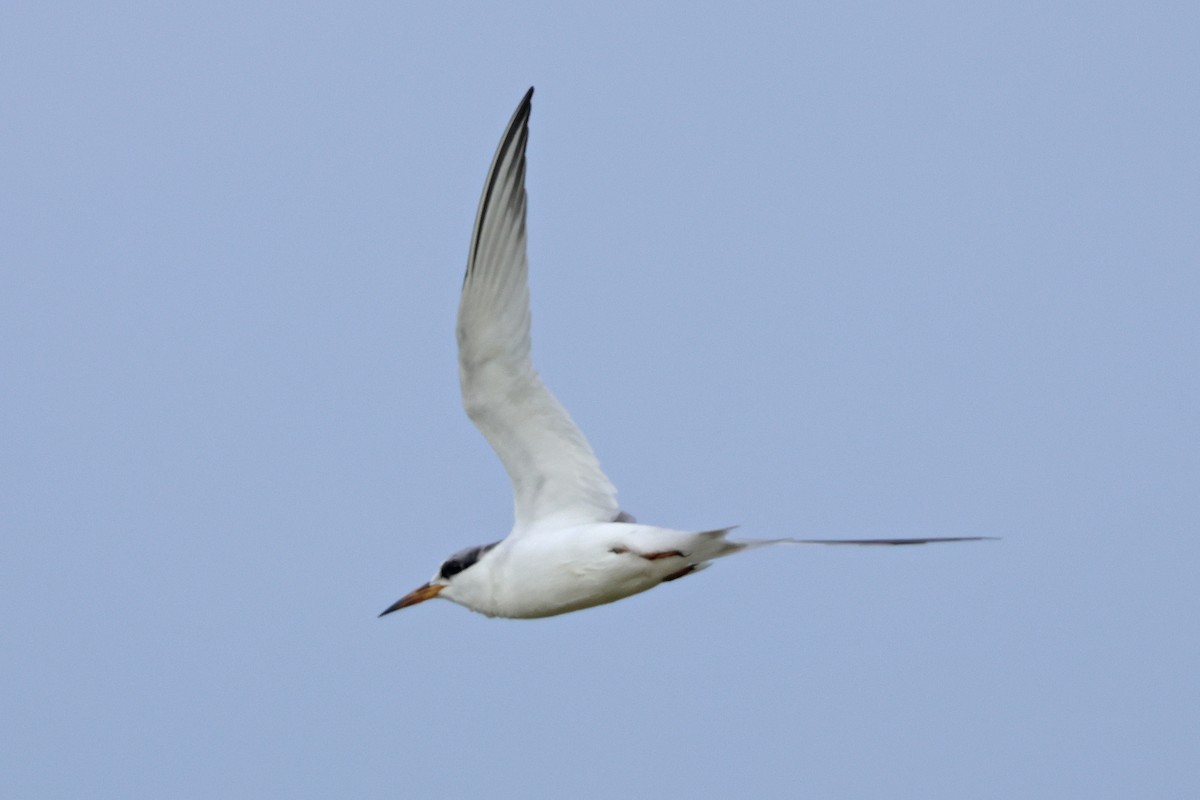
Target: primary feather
x=555, y=475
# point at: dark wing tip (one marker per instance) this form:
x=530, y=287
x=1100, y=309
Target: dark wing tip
x=515, y=135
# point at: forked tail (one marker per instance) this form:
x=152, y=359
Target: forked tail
x=734, y=545
x=926, y=540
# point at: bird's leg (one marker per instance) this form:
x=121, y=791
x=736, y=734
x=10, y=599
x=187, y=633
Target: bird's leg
x=650, y=556
x=663, y=554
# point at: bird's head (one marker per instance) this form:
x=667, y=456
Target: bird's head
x=450, y=579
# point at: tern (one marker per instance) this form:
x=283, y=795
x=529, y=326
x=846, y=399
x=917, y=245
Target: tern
x=571, y=546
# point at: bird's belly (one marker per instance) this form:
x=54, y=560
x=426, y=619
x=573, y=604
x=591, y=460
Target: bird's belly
x=534, y=607
x=575, y=585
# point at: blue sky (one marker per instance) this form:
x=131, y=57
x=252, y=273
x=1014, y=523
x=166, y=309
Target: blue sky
x=826, y=270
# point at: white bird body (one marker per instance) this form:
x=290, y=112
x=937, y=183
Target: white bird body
x=571, y=546
x=571, y=568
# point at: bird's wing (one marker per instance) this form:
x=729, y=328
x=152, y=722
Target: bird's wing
x=555, y=474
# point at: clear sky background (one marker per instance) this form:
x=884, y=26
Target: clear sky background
x=818, y=269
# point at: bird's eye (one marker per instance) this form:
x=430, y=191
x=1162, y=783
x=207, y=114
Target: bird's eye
x=462, y=559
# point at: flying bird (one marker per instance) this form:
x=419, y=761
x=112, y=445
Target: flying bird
x=571, y=546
